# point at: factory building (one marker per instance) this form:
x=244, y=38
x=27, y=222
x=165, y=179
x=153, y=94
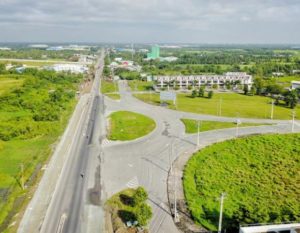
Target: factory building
x=184, y=81
x=154, y=54
x=73, y=68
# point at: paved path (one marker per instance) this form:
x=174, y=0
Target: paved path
x=146, y=161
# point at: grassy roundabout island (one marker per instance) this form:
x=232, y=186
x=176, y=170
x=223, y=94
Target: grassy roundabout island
x=259, y=174
x=124, y=125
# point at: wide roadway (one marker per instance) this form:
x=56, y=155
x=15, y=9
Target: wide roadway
x=68, y=207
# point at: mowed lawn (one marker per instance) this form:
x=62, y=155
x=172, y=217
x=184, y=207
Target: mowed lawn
x=191, y=126
x=259, y=174
x=232, y=105
x=124, y=125
x=137, y=85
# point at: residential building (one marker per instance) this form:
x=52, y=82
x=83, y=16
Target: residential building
x=295, y=85
x=184, y=81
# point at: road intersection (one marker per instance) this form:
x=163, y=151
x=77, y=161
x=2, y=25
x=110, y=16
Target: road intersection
x=146, y=161
x=86, y=168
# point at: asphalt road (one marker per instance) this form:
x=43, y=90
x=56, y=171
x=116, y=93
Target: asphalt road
x=71, y=201
x=146, y=161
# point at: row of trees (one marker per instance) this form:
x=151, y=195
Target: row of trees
x=201, y=93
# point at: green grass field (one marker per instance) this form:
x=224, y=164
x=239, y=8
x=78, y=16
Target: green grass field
x=191, y=126
x=137, y=85
x=110, y=89
x=232, y=105
x=124, y=125
x=259, y=174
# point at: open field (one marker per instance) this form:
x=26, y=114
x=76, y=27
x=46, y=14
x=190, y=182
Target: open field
x=285, y=81
x=137, y=85
x=7, y=83
x=30, y=124
x=259, y=174
x=126, y=125
x=232, y=105
x=191, y=126
x=110, y=89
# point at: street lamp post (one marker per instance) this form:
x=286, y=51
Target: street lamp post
x=272, y=109
x=293, y=121
x=221, y=212
x=198, y=133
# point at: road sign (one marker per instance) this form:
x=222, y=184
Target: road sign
x=168, y=95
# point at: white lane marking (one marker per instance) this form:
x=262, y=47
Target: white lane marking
x=133, y=183
x=105, y=142
x=61, y=223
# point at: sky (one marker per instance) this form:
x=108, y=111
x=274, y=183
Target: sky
x=151, y=21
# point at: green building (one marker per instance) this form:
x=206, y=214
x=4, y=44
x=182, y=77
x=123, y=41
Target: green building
x=154, y=54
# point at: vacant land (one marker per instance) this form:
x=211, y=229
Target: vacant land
x=137, y=85
x=259, y=174
x=7, y=82
x=191, y=126
x=110, y=89
x=232, y=105
x=33, y=113
x=126, y=125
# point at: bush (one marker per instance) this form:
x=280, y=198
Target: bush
x=143, y=214
x=210, y=94
x=140, y=196
x=194, y=93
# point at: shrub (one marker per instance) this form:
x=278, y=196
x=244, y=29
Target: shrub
x=140, y=196
x=143, y=214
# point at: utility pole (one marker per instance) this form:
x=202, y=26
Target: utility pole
x=293, y=121
x=198, y=133
x=272, y=109
x=171, y=156
x=175, y=199
x=220, y=107
x=238, y=122
x=221, y=212
x=22, y=176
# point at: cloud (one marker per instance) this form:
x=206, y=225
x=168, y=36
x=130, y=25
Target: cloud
x=194, y=16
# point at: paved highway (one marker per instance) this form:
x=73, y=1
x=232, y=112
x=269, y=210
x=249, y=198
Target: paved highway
x=65, y=201
x=70, y=203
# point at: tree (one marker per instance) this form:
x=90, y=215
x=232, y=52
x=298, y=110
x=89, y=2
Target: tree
x=246, y=90
x=253, y=90
x=143, y=214
x=201, y=91
x=2, y=68
x=140, y=196
x=291, y=99
x=210, y=94
x=194, y=93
